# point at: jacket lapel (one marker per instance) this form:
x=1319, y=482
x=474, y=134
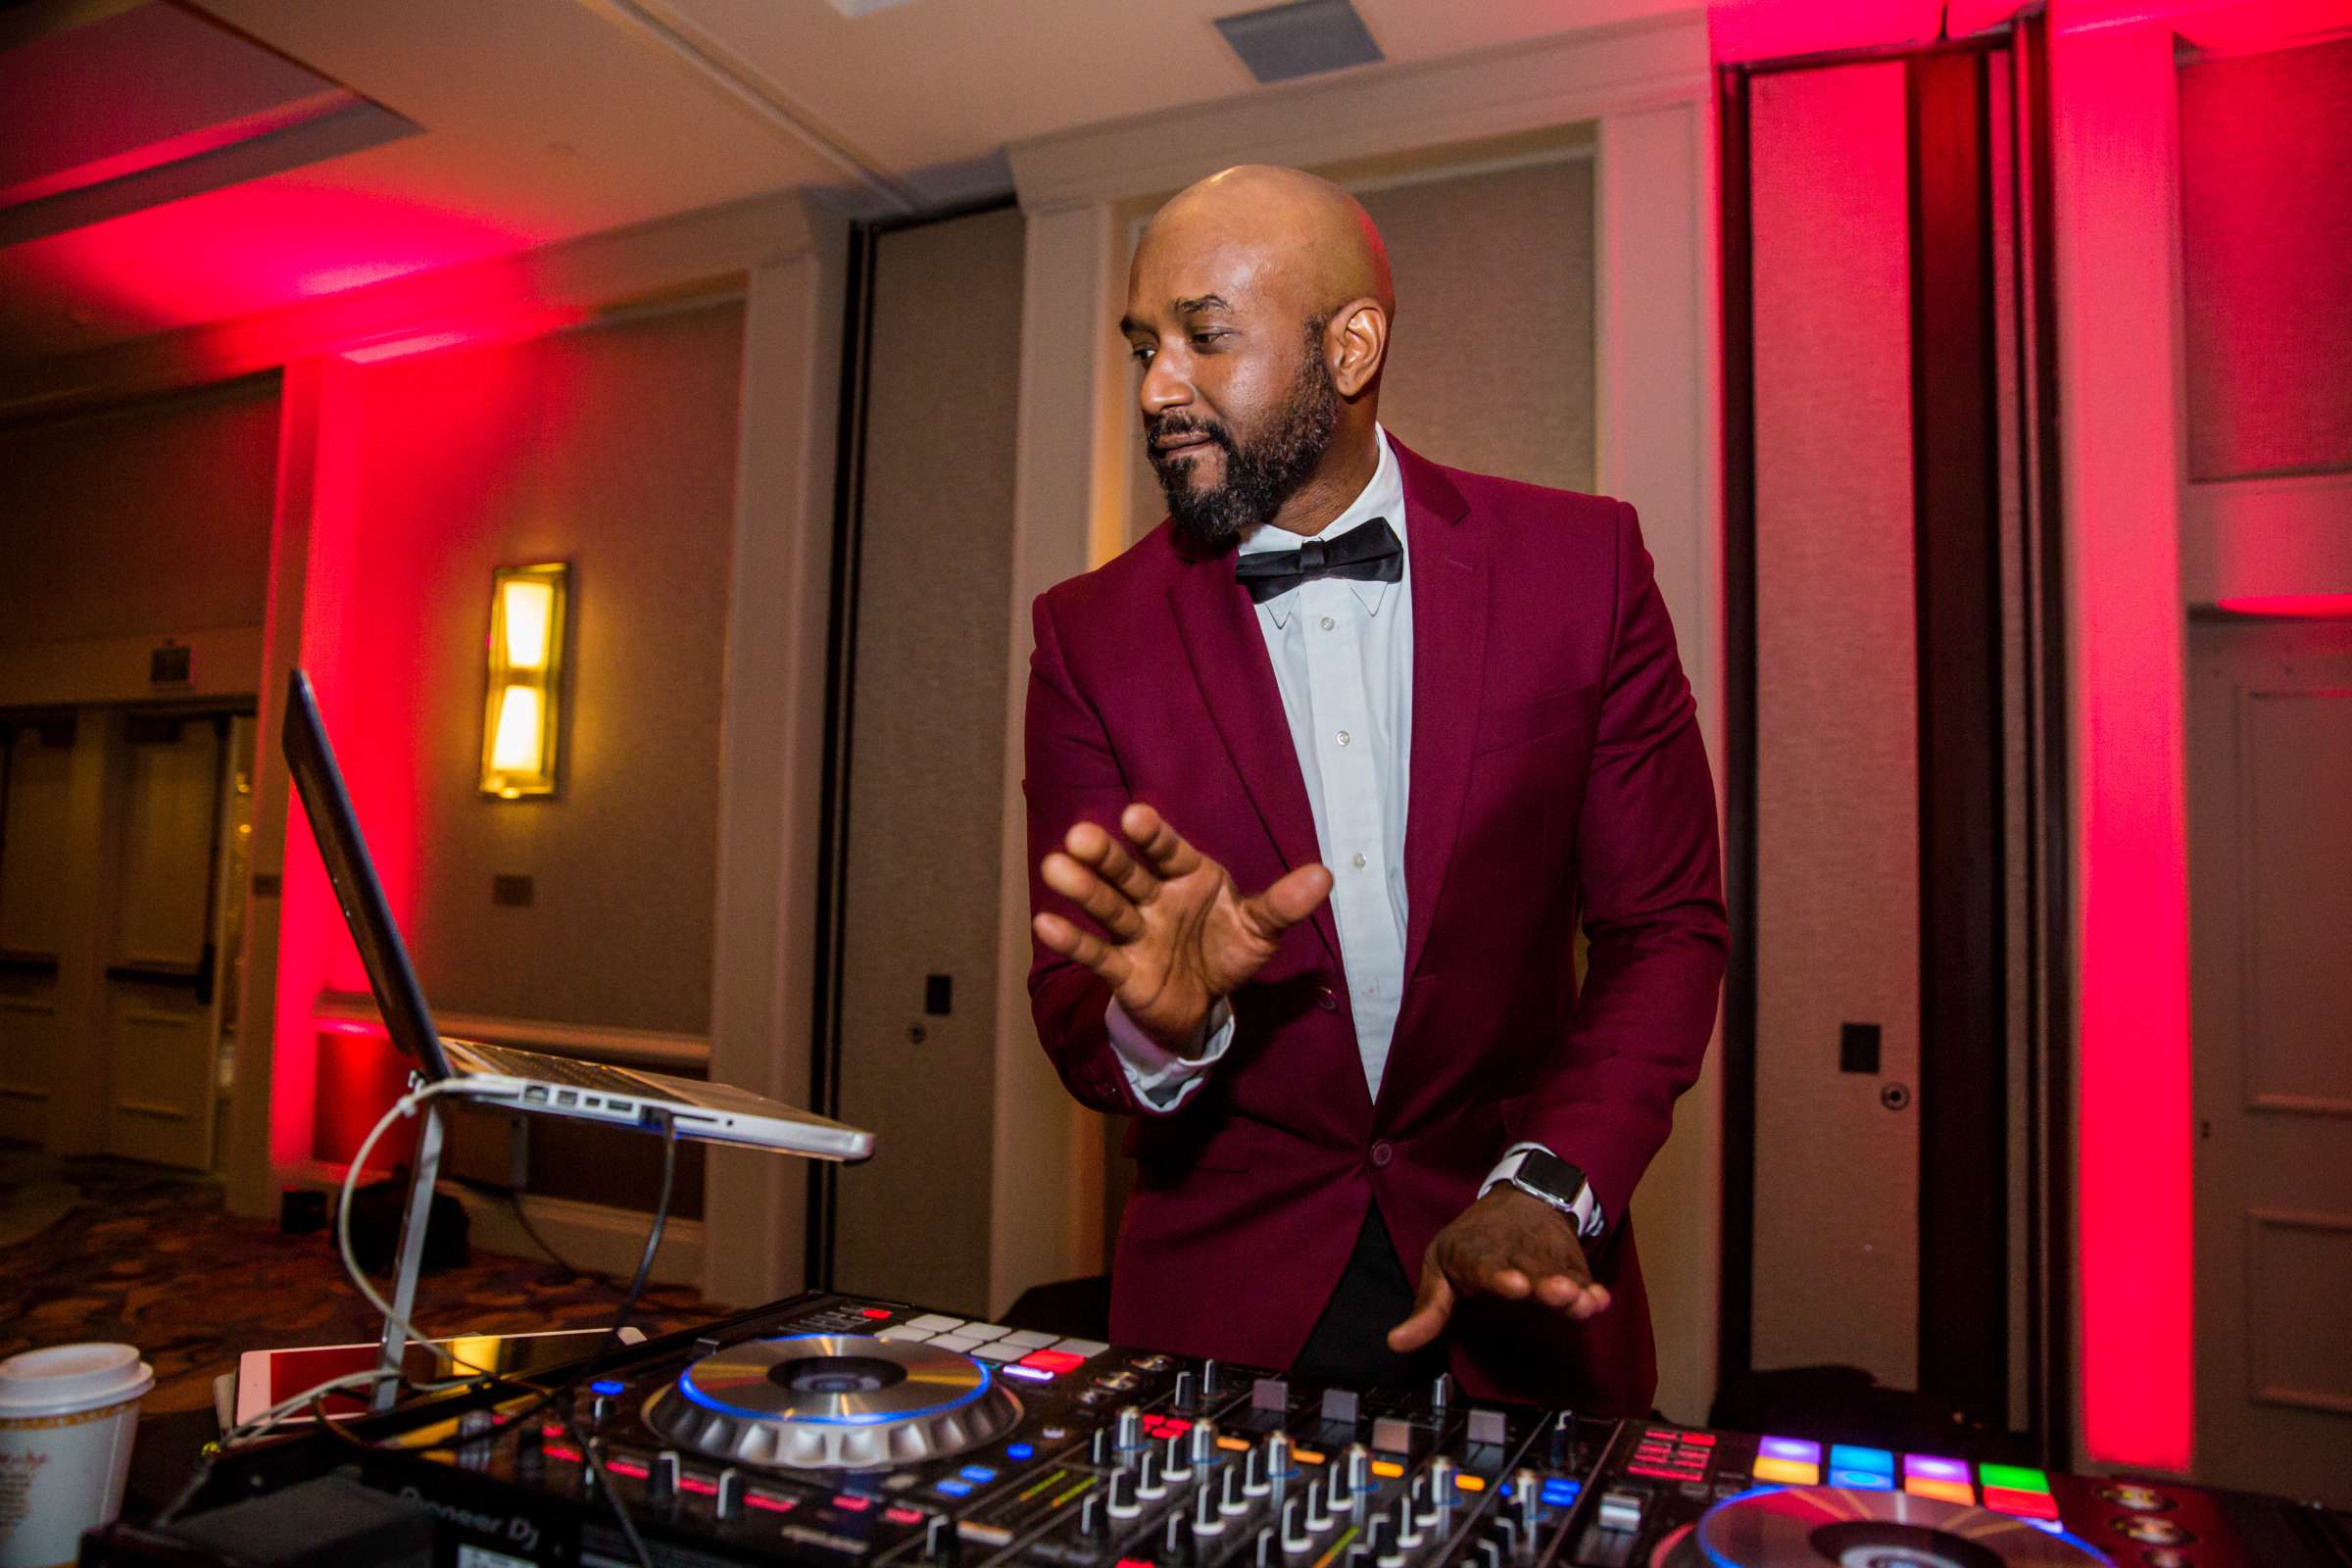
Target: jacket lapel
x=1228, y=652
x=1450, y=649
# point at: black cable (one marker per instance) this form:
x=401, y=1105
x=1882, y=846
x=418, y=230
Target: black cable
x=512, y=1198
x=571, y=1269
x=629, y=1304
x=652, y=1240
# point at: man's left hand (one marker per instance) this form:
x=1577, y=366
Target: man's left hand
x=1510, y=1245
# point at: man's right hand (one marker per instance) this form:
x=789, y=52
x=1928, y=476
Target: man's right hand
x=1178, y=936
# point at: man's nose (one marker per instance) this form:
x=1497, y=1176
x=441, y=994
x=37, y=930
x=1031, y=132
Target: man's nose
x=1163, y=388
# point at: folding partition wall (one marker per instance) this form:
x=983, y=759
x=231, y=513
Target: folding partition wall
x=913, y=804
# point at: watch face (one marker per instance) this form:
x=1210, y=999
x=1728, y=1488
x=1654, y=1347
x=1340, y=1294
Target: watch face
x=1552, y=1174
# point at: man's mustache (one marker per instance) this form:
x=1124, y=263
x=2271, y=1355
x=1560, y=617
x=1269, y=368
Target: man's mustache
x=1169, y=428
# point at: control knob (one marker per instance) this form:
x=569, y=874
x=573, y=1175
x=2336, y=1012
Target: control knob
x=1280, y=1469
x=1440, y=1489
x=1203, y=1439
x=1410, y=1529
x=1298, y=1533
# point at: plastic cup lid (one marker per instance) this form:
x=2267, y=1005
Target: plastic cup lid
x=65, y=1379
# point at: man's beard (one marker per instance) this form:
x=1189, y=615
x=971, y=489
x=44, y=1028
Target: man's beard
x=1259, y=476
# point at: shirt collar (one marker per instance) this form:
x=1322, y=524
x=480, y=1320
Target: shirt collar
x=1382, y=496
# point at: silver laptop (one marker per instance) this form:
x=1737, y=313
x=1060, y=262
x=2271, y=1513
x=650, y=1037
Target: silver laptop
x=519, y=1080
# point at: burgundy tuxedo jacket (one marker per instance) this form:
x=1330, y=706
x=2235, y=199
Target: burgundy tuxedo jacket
x=1557, y=776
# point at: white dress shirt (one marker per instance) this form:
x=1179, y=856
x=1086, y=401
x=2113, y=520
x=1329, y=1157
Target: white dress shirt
x=1343, y=656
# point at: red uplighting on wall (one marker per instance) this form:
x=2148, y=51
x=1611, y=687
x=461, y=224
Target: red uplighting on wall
x=409, y=430
x=2289, y=606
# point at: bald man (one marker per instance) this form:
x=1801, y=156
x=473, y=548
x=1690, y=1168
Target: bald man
x=1322, y=775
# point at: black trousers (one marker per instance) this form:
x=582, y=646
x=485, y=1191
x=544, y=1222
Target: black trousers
x=1350, y=1344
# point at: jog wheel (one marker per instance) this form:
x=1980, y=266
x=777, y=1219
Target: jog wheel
x=832, y=1401
x=1823, y=1527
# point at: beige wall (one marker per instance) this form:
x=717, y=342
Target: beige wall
x=140, y=522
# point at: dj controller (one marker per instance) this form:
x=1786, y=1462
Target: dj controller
x=838, y=1432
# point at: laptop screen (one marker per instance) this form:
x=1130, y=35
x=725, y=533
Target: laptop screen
x=336, y=829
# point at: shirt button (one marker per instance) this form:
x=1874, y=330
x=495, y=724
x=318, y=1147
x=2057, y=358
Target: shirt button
x=1343, y=737
x=1326, y=623
x=1382, y=1152
x=1356, y=860
x=1326, y=999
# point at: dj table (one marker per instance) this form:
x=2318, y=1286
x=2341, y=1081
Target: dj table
x=833, y=1430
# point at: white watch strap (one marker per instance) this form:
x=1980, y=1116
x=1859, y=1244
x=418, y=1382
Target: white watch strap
x=1585, y=1210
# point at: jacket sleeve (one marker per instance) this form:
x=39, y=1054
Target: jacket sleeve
x=1069, y=774
x=1650, y=889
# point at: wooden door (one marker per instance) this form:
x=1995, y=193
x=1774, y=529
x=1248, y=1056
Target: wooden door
x=36, y=797
x=2271, y=980
x=160, y=960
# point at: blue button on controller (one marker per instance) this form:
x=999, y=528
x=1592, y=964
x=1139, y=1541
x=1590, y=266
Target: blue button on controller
x=954, y=1488
x=978, y=1475
x=1019, y=1450
x=609, y=1387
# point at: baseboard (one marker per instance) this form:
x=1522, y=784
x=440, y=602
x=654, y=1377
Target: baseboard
x=590, y=1236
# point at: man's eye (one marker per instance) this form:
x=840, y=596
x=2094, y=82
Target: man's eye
x=1140, y=353
x=1206, y=338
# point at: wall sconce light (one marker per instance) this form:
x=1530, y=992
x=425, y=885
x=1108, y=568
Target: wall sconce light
x=521, y=719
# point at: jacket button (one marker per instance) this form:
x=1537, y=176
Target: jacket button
x=1327, y=1000
x=1382, y=1152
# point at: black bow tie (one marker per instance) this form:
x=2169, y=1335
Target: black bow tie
x=1369, y=552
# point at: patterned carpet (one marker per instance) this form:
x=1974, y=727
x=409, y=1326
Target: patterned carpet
x=109, y=1249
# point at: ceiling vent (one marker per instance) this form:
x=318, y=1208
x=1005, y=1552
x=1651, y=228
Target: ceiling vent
x=1305, y=39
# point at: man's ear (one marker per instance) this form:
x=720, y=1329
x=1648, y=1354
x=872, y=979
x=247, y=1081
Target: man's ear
x=1355, y=344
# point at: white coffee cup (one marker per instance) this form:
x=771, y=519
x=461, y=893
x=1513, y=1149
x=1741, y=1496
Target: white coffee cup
x=67, y=1415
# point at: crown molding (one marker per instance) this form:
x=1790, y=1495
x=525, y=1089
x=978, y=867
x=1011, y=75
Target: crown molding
x=1374, y=111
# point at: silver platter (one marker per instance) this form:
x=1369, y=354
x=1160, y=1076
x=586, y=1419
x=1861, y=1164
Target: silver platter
x=833, y=1401
x=1803, y=1527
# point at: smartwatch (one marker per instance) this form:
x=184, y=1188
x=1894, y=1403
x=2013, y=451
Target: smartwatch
x=1542, y=1174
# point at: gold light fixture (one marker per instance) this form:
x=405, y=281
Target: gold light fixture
x=521, y=718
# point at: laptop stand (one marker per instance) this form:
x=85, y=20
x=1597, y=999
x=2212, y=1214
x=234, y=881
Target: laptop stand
x=414, y=1218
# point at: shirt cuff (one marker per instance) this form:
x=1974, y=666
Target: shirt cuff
x=1585, y=1211
x=1162, y=1079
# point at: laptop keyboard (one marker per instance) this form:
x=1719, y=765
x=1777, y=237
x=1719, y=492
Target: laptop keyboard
x=547, y=1069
